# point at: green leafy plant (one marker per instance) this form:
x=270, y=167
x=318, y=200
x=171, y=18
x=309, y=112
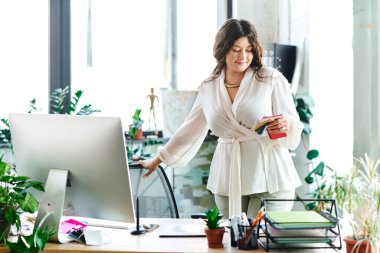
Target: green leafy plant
x=33, y=106
x=303, y=103
x=5, y=133
x=136, y=123
x=325, y=184
x=213, y=218
x=363, y=205
x=16, y=198
x=31, y=243
x=57, y=103
x=357, y=195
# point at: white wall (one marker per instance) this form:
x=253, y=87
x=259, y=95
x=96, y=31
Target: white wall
x=331, y=81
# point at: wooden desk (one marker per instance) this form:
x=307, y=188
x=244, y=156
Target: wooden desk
x=123, y=241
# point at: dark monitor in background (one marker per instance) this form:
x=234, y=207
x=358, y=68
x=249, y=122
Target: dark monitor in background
x=281, y=57
x=85, y=153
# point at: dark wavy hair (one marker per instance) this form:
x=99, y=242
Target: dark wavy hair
x=230, y=31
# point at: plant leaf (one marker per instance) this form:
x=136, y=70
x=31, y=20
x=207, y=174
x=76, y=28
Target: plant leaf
x=28, y=203
x=309, y=179
x=312, y=154
x=319, y=169
x=74, y=102
x=87, y=110
x=57, y=99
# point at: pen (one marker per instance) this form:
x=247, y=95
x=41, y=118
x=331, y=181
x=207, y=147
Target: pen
x=254, y=223
x=244, y=219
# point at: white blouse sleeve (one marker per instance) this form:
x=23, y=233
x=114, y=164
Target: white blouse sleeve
x=187, y=140
x=283, y=104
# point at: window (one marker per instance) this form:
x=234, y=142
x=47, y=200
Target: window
x=119, y=51
x=24, y=55
x=331, y=81
x=197, y=27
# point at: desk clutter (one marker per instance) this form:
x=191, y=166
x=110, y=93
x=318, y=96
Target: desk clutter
x=244, y=231
x=91, y=233
x=300, y=229
x=288, y=229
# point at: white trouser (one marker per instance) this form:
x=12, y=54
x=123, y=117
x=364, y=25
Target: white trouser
x=251, y=203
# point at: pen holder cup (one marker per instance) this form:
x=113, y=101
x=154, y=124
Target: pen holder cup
x=233, y=239
x=245, y=241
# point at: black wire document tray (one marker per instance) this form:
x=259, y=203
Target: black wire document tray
x=300, y=229
x=300, y=235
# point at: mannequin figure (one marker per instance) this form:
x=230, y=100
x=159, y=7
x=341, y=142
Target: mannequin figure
x=153, y=98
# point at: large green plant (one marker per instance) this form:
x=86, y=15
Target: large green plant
x=356, y=193
x=16, y=198
x=326, y=184
x=363, y=207
x=303, y=103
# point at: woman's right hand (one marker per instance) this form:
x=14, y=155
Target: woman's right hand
x=151, y=165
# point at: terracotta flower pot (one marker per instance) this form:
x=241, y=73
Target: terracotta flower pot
x=215, y=237
x=350, y=244
x=139, y=135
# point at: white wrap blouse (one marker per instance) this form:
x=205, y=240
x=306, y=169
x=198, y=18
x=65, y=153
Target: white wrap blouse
x=244, y=162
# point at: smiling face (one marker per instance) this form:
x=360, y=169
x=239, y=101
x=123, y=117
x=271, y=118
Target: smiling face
x=240, y=56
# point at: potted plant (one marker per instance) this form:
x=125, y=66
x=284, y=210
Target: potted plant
x=135, y=129
x=15, y=198
x=363, y=205
x=357, y=195
x=214, y=232
x=135, y=133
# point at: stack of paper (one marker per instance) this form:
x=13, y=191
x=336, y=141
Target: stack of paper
x=298, y=219
x=300, y=235
x=297, y=227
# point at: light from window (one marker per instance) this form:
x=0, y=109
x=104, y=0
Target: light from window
x=24, y=55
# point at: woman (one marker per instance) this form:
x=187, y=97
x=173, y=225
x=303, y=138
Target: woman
x=246, y=166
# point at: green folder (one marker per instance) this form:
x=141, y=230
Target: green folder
x=298, y=219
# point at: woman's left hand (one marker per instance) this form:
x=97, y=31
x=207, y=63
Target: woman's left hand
x=280, y=125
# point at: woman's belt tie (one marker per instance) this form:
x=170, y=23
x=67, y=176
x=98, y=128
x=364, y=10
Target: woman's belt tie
x=234, y=189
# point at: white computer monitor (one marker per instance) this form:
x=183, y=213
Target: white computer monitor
x=89, y=150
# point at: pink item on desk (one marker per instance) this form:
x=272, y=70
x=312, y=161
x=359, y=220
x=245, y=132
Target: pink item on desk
x=70, y=225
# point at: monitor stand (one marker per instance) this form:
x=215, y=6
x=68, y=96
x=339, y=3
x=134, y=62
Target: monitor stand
x=51, y=206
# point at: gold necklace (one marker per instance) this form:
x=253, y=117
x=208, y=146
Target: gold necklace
x=232, y=85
